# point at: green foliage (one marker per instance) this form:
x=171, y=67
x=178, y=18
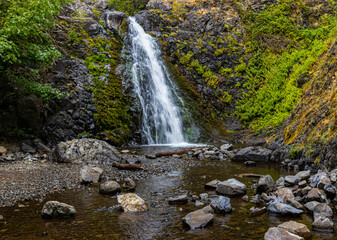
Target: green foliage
x=225, y=71
x=130, y=7
x=185, y=59
x=280, y=52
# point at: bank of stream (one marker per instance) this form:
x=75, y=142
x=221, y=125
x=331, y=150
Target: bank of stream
x=97, y=218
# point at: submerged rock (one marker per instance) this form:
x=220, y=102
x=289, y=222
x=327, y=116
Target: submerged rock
x=90, y=174
x=131, y=202
x=276, y=233
x=55, y=209
x=257, y=211
x=182, y=199
x=199, y=218
x=231, y=187
x=109, y=188
x=86, y=150
x=220, y=204
x=297, y=228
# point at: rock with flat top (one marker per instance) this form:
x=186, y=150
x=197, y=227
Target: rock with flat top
x=90, y=174
x=182, y=199
x=296, y=228
x=199, y=219
x=283, y=209
x=231, y=187
x=303, y=175
x=256, y=154
x=212, y=184
x=276, y=233
x=109, y=188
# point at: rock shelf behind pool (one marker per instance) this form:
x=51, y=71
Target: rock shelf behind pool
x=55, y=209
x=86, y=150
x=231, y=187
x=256, y=154
x=199, y=219
x=131, y=202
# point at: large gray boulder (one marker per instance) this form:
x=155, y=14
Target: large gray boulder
x=86, y=151
x=231, y=187
x=256, y=154
x=55, y=209
x=199, y=218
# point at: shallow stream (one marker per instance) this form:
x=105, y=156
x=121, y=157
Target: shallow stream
x=97, y=219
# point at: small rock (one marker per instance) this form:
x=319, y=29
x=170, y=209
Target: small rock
x=220, y=204
x=27, y=148
x=297, y=228
x=322, y=210
x=231, y=187
x=302, y=184
x=306, y=190
x=280, y=182
x=182, y=199
x=266, y=184
x=90, y=174
x=303, y=175
x=294, y=203
x=198, y=203
x=129, y=184
x=283, y=209
x=212, y=184
x=311, y=205
x=323, y=224
x=226, y=147
x=55, y=209
x=1, y=217
x=150, y=156
x=291, y=181
x=131, y=202
x=316, y=194
x=203, y=197
x=245, y=198
x=276, y=233
x=125, y=151
x=285, y=194
x=250, y=164
x=2, y=150
x=200, y=218
x=109, y=188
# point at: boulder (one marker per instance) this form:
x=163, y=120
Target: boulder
x=129, y=184
x=220, y=204
x=302, y=184
x=55, y=209
x=306, y=190
x=285, y=194
x=276, y=233
x=294, y=203
x=226, y=147
x=323, y=224
x=2, y=150
x=109, y=188
x=86, y=150
x=316, y=194
x=231, y=187
x=90, y=174
x=303, y=175
x=322, y=210
x=256, y=154
x=266, y=184
x=131, y=202
x=279, y=208
x=291, y=181
x=311, y=205
x=280, y=182
x=199, y=219
x=113, y=19
x=212, y=184
x=296, y=228
x=182, y=199
x=319, y=180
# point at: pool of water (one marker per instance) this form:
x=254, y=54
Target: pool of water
x=97, y=219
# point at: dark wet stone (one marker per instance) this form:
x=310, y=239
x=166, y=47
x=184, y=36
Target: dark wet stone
x=291, y=181
x=182, y=199
x=55, y=209
x=266, y=184
x=231, y=187
x=220, y=204
x=250, y=164
x=257, y=211
x=129, y=184
x=256, y=154
x=302, y=184
x=199, y=219
x=109, y=188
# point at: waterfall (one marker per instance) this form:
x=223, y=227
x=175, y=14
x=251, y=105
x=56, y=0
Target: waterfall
x=161, y=121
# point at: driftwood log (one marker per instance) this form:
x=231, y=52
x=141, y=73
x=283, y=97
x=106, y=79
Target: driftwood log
x=251, y=175
x=127, y=166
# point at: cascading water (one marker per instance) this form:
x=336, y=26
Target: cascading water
x=161, y=122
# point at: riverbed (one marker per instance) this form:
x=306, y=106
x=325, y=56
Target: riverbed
x=98, y=218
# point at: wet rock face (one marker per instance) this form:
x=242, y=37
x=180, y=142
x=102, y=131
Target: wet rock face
x=253, y=154
x=86, y=150
x=55, y=209
x=113, y=19
x=199, y=219
x=131, y=202
x=231, y=187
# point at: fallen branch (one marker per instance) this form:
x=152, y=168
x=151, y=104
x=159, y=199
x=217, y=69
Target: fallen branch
x=252, y=175
x=180, y=152
x=127, y=166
